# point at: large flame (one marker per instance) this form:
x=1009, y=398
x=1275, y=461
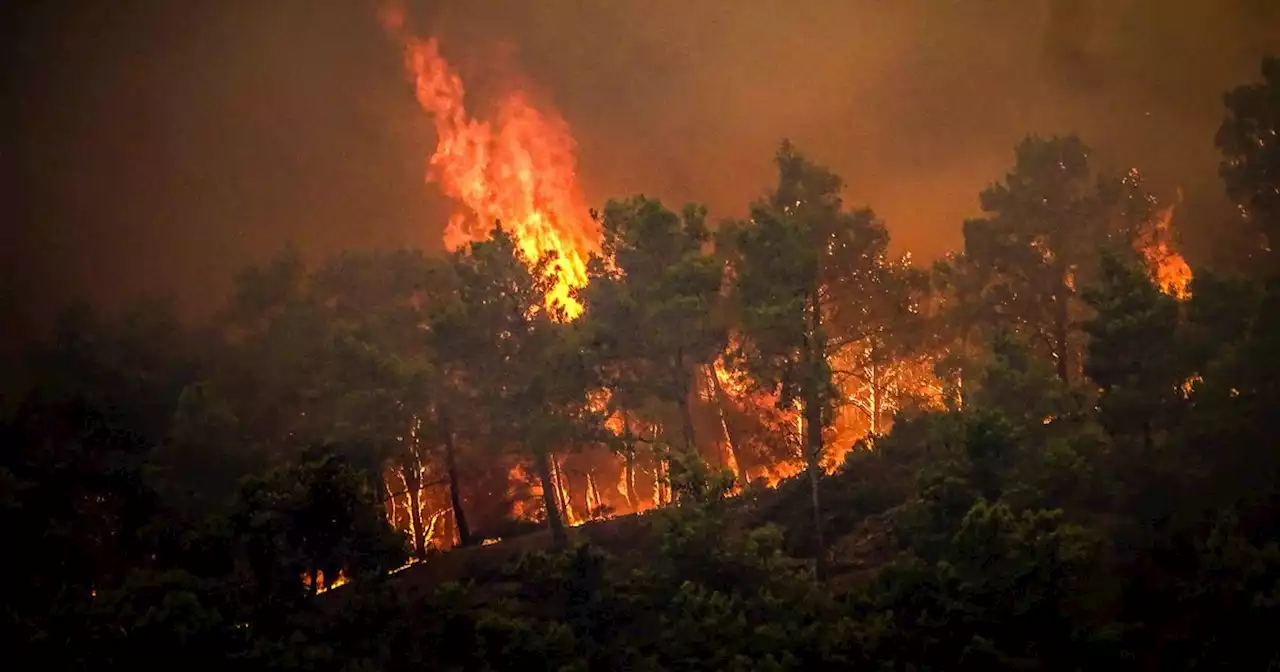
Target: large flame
x=1169, y=270
x=517, y=168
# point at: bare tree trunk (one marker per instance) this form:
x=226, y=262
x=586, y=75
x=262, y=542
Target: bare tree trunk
x=730, y=437
x=676, y=467
x=875, y=396
x=657, y=482
x=1061, y=334
x=455, y=494
x=661, y=477
x=543, y=464
x=629, y=476
x=813, y=426
x=813, y=455
x=629, y=465
x=684, y=391
x=563, y=494
x=595, y=505
x=686, y=426
x=411, y=473
x=632, y=496
x=393, y=514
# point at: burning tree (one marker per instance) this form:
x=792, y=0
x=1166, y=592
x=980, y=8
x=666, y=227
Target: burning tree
x=1038, y=244
x=651, y=306
x=352, y=341
x=518, y=361
x=804, y=268
x=883, y=361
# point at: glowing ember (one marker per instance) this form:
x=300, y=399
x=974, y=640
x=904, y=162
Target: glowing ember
x=517, y=168
x=1188, y=386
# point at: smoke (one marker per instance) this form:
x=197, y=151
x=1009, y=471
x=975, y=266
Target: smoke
x=916, y=103
x=1068, y=33
x=159, y=146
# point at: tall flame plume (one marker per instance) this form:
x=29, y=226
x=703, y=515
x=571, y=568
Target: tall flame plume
x=518, y=167
x=1168, y=268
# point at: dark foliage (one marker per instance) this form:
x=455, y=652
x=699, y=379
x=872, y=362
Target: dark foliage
x=1098, y=486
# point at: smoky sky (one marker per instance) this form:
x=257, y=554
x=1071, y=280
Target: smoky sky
x=155, y=147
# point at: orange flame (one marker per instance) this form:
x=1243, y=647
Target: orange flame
x=323, y=585
x=518, y=168
x=1169, y=270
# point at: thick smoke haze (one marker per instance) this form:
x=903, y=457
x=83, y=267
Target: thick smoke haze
x=157, y=146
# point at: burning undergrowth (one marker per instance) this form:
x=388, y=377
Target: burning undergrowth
x=516, y=164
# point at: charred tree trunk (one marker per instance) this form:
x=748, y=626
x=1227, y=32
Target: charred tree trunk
x=813, y=353
x=595, y=503
x=730, y=437
x=813, y=455
x=630, y=475
x=563, y=495
x=629, y=464
x=455, y=494
x=1061, y=331
x=543, y=464
x=676, y=467
x=412, y=475
x=661, y=469
x=686, y=425
x=875, y=395
x=684, y=390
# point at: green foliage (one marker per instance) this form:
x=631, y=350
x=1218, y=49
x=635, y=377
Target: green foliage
x=200, y=465
x=693, y=480
x=1049, y=516
x=652, y=304
x=1251, y=154
x=1045, y=223
x=167, y=618
x=522, y=368
x=320, y=516
x=712, y=600
x=1005, y=593
x=789, y=260
x=521, y=365
x=1134, y=354
x=809, y=278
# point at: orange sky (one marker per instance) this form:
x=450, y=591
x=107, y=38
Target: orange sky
x=159, y=146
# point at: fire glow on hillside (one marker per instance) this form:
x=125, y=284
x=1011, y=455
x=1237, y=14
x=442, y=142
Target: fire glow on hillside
x=518, y=167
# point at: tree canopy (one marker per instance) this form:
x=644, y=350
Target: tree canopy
x=768, y=443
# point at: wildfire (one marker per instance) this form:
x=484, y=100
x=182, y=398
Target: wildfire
x=1189, y=385
x=323, y=585
x=1170, y=270
x=518, y=167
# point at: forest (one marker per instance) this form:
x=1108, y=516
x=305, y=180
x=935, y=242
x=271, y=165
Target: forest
x=760, y=444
